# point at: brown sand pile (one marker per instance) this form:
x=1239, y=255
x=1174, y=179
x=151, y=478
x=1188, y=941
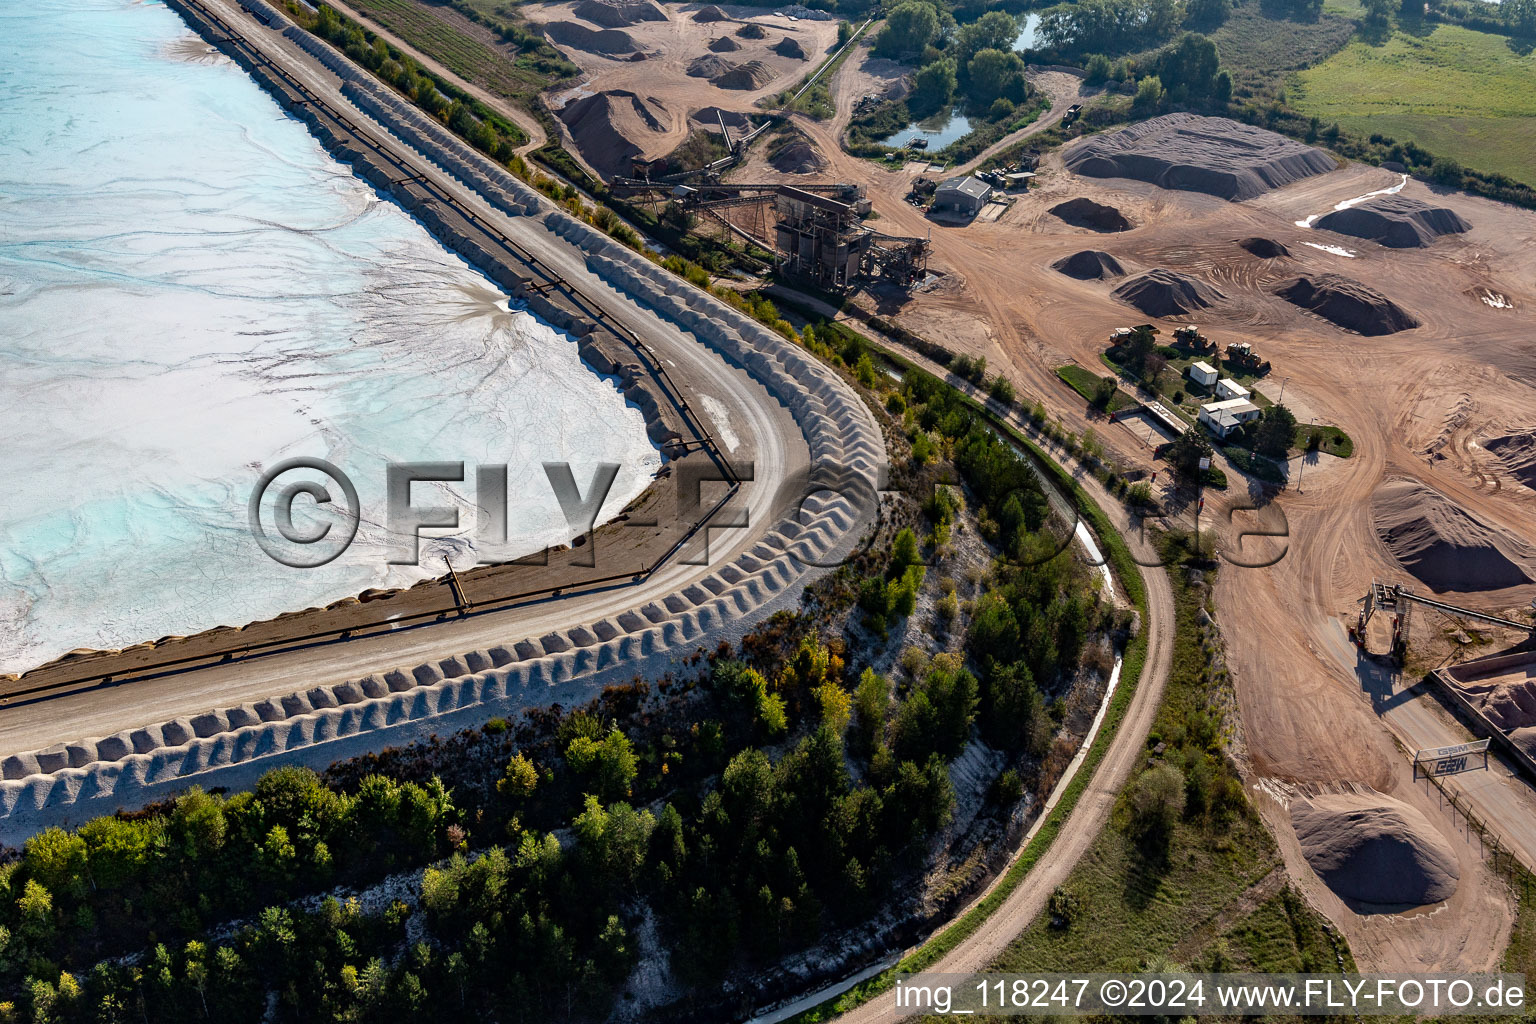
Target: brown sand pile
x=725, y=44
x=609, y=42
x=618, y=13
x=754, y=74
x=789, y=46
x=1348, y=304
x=1396, y=221
x=1443, y=545
x=709, y=14
x=752, y=30
x=1517, y=452
x=1375, y=850
x=797, y=156
x=1215, y=155
x=610, y=127
x=1166, y=293
x=1085, y=213
x=1089, y=265
x=1264, y=248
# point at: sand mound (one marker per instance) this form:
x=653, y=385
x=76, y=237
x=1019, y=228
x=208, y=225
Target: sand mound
x=1375, y=850
x=1089, y=265
x=1347, y=303
x=751, y=30
x=708, y=14
x=797, y=156
x=789, y=46
x=1518, y=454
x=1085, y=213
x=609, y=41
x=709, y=66
x=609, y=128
x=618, y=13
x=1442, y=545
x=725, y=44
x=1264, y=248
x=754, y=74
x=1165, y=293
x=1215, y=155
x=1398, y=222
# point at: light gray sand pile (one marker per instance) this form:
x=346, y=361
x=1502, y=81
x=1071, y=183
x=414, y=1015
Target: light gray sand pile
x=1444, y=546
x=1166, y=293
x=789, y=46
x=725, y=44
x=618, y=13
x=1264, y=248
x=1396, y=221
x=1348, y=304
x=606, y=128
x=1089, y=265
x=610, y=42
x=1215, y=155
x=1517, y=452
x=1085, y=213
x=1372, y=849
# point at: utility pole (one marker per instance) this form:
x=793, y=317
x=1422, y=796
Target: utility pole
x=1283, y=383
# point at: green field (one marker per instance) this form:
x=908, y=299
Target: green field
x=455, y=42
x=1456, y=92
x=1260, y=50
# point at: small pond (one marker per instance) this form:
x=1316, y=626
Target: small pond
x=940, y=130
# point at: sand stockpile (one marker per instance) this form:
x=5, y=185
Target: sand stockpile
x=1264, y=248
x=608, y=129
x=1348, y=304
x=1165, y=293
x=618, y=13
x=709, y=66
x=725, y=44
x=754, y=74
x=709, y=14
x=797, y=156
x=1085, y=213
x=1444, y=546
x=609, y=42
x=1215, y=155
x=1517, y=452
x=1372, y=849
x=1396, y=221
x=752, y=30
x=1089, y=265
x=789, y=46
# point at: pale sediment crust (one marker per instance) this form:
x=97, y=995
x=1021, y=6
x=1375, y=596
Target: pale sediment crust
x=74, y=781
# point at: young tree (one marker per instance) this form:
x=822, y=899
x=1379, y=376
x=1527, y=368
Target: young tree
x=610, y=764
x=1276, y=432
x=520, y=779
x=1186, y=452
x=1149, y=94
x=1157, y=801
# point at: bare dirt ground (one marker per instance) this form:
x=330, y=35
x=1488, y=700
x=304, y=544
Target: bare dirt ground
x=1416, y=404
x=661, y=80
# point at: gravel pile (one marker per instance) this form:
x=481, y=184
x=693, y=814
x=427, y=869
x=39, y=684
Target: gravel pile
x=1444, y=546
x=1089, y=265
x=1085, y=213
x=1164, y=293
x=1189, y=152
x=1374, y=850
x=1264, y=248
x=1348, y=304
x=1396, y=221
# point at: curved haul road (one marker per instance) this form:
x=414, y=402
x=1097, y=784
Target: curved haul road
x=222, y=724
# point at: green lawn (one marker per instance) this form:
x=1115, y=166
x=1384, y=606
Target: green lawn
x=1085, y=381
x=1456, y=92
x=1260, y=51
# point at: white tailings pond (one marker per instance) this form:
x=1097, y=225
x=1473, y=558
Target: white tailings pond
x=190, y=291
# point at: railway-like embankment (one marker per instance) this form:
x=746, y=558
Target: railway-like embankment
x=814, y=523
